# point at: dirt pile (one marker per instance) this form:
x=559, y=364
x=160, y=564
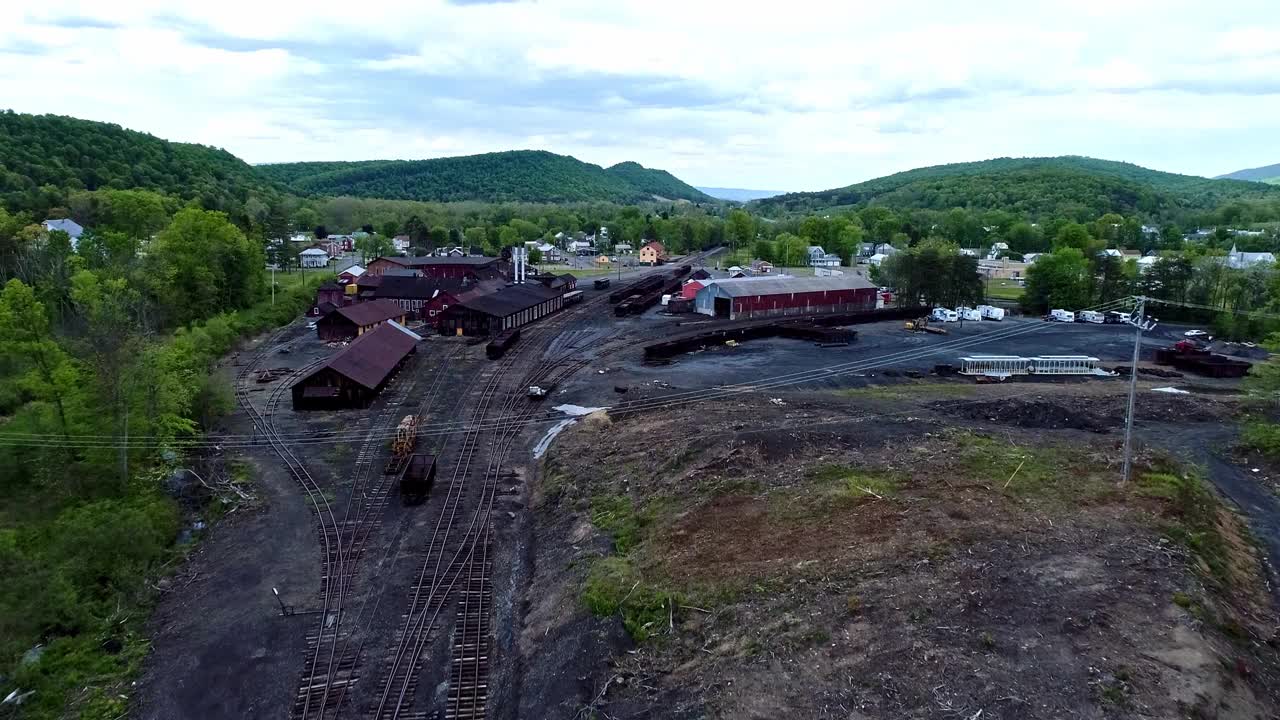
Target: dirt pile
x=810, y=557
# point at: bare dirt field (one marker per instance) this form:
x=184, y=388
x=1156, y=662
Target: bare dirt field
x=913, y=550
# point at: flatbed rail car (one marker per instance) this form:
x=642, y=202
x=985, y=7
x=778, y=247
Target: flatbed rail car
x=419, y=475
x=501, y=343
x=601, y=283
x=572, y=297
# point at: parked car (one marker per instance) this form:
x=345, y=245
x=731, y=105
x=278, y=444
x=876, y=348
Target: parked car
x=1196, y=334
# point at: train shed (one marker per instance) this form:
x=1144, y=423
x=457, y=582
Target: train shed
x=353, y=377
x=352, y=321
x=777, y=297
x=510, y=307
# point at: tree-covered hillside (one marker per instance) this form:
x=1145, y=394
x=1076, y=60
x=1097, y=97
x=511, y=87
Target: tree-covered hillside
x=1038, y=188
x=44, y=157
x=658, y=182
x=1266, y=174
x=515, y=176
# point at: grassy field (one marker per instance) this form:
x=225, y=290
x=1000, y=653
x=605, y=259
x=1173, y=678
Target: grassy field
x=1004, y=289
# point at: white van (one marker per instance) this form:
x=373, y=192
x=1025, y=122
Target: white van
x=1089, y=316
x=1062, y=316
x=990, y=312
x=945, y=315
x=969, y=314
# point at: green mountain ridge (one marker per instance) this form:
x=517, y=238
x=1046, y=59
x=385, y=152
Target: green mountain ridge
x=41, y=154
x=511, y=176
x=1067, y=186
x=44, y=159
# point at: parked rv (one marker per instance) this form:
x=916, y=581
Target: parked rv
x=1090, y=316
x=945, y=315
x=1062, y=316
x=969, y=313
x=991, y=312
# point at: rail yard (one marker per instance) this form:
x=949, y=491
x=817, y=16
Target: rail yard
x=729, y=503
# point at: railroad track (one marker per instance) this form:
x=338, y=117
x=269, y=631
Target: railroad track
x=333, y=556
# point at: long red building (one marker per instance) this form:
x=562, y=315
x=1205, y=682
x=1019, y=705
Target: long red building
x=771, y=297
x=445, y=268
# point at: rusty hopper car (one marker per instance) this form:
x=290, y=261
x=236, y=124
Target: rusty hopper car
x=502, y=343
x=418, y=477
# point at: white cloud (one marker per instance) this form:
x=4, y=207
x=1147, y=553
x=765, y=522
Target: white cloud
x=801, y=95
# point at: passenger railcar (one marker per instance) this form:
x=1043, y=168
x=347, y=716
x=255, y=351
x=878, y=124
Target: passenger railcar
x=571, y=297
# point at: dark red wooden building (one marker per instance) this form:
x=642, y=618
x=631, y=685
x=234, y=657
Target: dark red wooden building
x=453, y=267
x=352, y=321
x=353, y=377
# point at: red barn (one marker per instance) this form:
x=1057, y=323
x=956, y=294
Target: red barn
x=771, y=297
x=450, y=268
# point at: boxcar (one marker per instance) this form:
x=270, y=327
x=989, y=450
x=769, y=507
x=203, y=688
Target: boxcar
x=571, y=297
x=602, y=283
x=418, y=477
x=502, y=342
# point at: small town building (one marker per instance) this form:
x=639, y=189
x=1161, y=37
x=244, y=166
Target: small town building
x=313, y=258
x=352, y=321
x=353, y=377
x=454, y=267
x=690, y=289
x=602, y=260
x=622, y=249
x=761, y=267
x=700, y=274
x=579, y=247
x=491, y=313
x=778, y=296
x=563, y=282
x=329, y=297
x=1240, y=260
x=653, y=253
x=72, y=228
x=819, y=257
x=350, y=275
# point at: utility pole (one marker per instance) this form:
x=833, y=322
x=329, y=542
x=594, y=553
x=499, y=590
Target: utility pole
x=1140, y=323
x=273, y=283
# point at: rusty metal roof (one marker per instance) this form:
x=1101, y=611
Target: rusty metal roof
x=786, y=286
x=510, y=300
x=370, y=358
x=368, y=313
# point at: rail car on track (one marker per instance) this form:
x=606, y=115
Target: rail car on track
x=571, y=297
x=501, y=343
x=601, y=284
x=419, y=475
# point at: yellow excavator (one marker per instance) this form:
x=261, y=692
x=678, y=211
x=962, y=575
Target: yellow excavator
x=921, y=324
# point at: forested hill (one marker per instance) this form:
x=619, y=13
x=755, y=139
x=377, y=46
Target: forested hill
x=42, y=157
x=1266, y=174
x=1039, y=188
x=659, y=183
x=517, y=176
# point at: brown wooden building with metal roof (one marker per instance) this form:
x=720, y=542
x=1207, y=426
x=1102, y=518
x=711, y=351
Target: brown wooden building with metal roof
x=352, y=321
x=354, y=376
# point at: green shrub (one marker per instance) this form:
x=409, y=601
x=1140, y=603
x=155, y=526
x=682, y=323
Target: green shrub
x=614, y=585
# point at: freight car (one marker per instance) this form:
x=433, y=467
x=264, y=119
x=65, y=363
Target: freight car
x=501, y=343
x=640, y=287
x=571, y=297
x=601, y=284
x=418, y=477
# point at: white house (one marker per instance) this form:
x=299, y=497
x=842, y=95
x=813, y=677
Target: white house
x=550, y=253
x=622, y=248
x=68, y=226
x=875, y=260
x=821, y=258
x=313, y=258
x=576, y=246
x=1146, y=263
x=1111, y=252
x=997, y=249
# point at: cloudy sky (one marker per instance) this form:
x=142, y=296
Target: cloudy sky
x=791, y=95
